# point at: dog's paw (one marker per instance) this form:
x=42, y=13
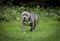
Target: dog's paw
x=24, y=32
x=32, y=30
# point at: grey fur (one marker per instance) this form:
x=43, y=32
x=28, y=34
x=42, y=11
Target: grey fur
x=30, y=18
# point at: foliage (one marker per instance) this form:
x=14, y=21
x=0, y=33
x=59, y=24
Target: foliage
x=14, y=13
x=48, y=29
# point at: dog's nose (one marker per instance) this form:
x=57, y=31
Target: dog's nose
x=24, y=17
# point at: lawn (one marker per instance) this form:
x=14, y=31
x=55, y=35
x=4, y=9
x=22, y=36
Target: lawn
x=46, y=30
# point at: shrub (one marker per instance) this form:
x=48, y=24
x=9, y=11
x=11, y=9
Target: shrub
x=14, y=13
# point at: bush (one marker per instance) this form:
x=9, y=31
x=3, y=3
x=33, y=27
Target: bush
x=14, y=13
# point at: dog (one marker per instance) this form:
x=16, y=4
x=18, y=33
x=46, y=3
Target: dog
x=30, y=18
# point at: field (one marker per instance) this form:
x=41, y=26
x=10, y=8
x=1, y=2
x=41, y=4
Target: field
x=46, y=30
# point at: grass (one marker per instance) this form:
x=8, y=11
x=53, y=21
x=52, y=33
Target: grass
x=46, y=30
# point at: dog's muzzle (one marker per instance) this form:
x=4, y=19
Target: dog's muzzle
x=25, y=19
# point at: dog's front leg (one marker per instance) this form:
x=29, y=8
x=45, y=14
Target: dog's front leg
x=33, y=27
x=23, y=30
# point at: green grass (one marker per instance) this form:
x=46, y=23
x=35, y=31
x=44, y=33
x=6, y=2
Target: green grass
x=46, y=30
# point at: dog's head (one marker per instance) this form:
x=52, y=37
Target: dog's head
x=25, y=16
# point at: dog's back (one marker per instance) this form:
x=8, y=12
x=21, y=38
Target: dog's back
x=35, y=17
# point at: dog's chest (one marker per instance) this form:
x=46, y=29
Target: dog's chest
x=27, y=23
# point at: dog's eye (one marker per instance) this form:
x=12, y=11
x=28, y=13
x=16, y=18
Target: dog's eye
x=25, y=15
